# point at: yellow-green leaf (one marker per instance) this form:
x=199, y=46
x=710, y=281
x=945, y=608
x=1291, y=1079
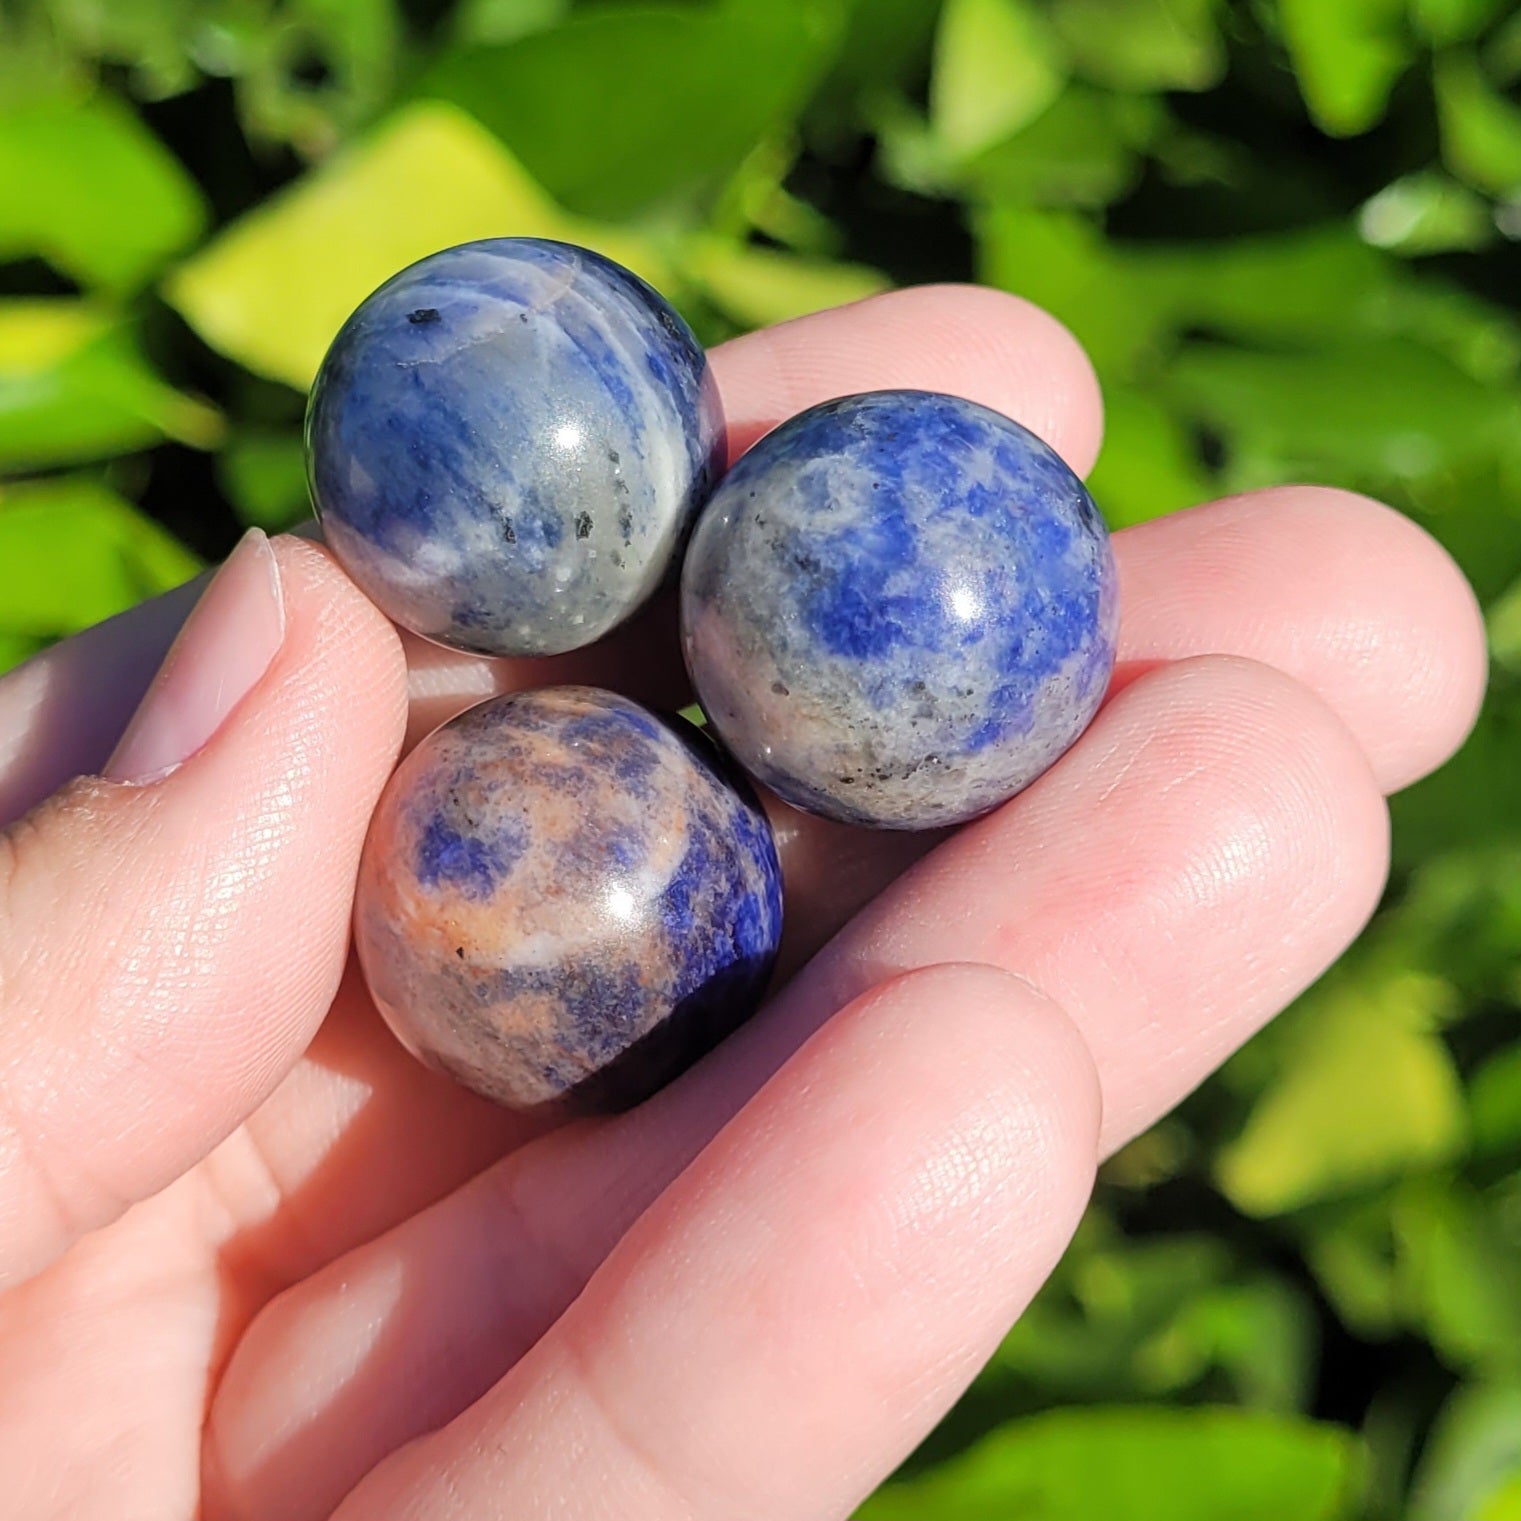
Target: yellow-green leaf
x=1139, y=1464
x=74, y=387
x=86, y=186
x=273, y=289
x=996, y=68
x=1481, y=129
x=1367, y=1091
x=1347, y=56
x=72, y=553
x=758, y=286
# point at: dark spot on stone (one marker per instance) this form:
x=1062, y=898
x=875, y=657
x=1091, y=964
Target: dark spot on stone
x=459, y=951
x=508, y=531
x=614, y=456
x=423, y=314
x=583, y=525
x=780, y=688
x=522, y=316
x=626, y=524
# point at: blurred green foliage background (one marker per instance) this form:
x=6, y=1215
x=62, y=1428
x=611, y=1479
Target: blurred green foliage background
x=1287, y=231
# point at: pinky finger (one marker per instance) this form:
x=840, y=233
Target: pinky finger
x=798, y=1309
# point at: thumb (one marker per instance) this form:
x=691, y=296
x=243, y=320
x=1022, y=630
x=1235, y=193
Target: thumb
x=171, y=933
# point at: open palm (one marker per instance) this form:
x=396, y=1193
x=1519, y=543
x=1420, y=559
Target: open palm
x=258, y=1263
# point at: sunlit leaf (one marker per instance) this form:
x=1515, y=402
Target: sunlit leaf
x=75, y=387
x=86, y=186
x=1149, y=465
x=72, y=553
x=1366, y=1090
x=1426, y=213
x=1462, y=1278
x=619, y=109
x=493, y=21
x=758, y=286
x=1494, y=1103
x=1347, y=56
x=1143, y=44
x=264, y=475
x=997, y=68
x=349, y=45
x=274, y=288
x=1358, y=412
x=1474, y=1451
x=1481, y=129
x=1442, y=22
x=1261, y=1333
x=1139, y=1464
x=1085, y=150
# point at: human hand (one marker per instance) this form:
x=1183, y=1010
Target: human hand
x=255, y=1256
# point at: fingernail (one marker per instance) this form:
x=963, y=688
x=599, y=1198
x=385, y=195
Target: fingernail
x=226, y=645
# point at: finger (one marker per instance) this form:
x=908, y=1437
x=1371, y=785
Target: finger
x=1213, y=842
x=802, y=1305
x=170, y=937
x=1346, y=595
x=1350, y=597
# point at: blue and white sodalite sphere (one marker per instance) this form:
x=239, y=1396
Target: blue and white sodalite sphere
x=899, y=608
x=564, y=900
x=507, y=443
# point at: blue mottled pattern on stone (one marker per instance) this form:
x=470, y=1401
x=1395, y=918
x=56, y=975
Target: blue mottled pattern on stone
x=508, y=442
x=566, y=899
x=899, y=609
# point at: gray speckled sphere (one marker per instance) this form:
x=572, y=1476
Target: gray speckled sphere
x=507, y=444
x=564, y=900
x=899, y=609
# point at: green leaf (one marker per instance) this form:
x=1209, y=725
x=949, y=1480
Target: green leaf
x=1443, y=22
x=1481, y=129
x=1354, y=414
x=1061, y=262
x=1474, y=1451
x=1261, y=1333
x=1367, y=1089
x=1148, y=466
x=1084, y=151
x=997, y=67
x=1138, y=1464
x=72, y=553
x=1462, y=1279
x=1494, y=1104
x=84, y=185
x=757, y=286
x=148, y=36
x=1503, y=1503
x=275, y=287
x=74, y=387
x=264, y=474
x=1354, y=1255
x=1347, y=56
x=618, y=110
x=495, y=21
x=1426, y=213
x=1505, y=629
x=352, y=43
x=1143, y=44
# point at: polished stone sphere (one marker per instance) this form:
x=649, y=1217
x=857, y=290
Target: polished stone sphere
x=507, y=444
x=564, y=900
x=899, y=608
